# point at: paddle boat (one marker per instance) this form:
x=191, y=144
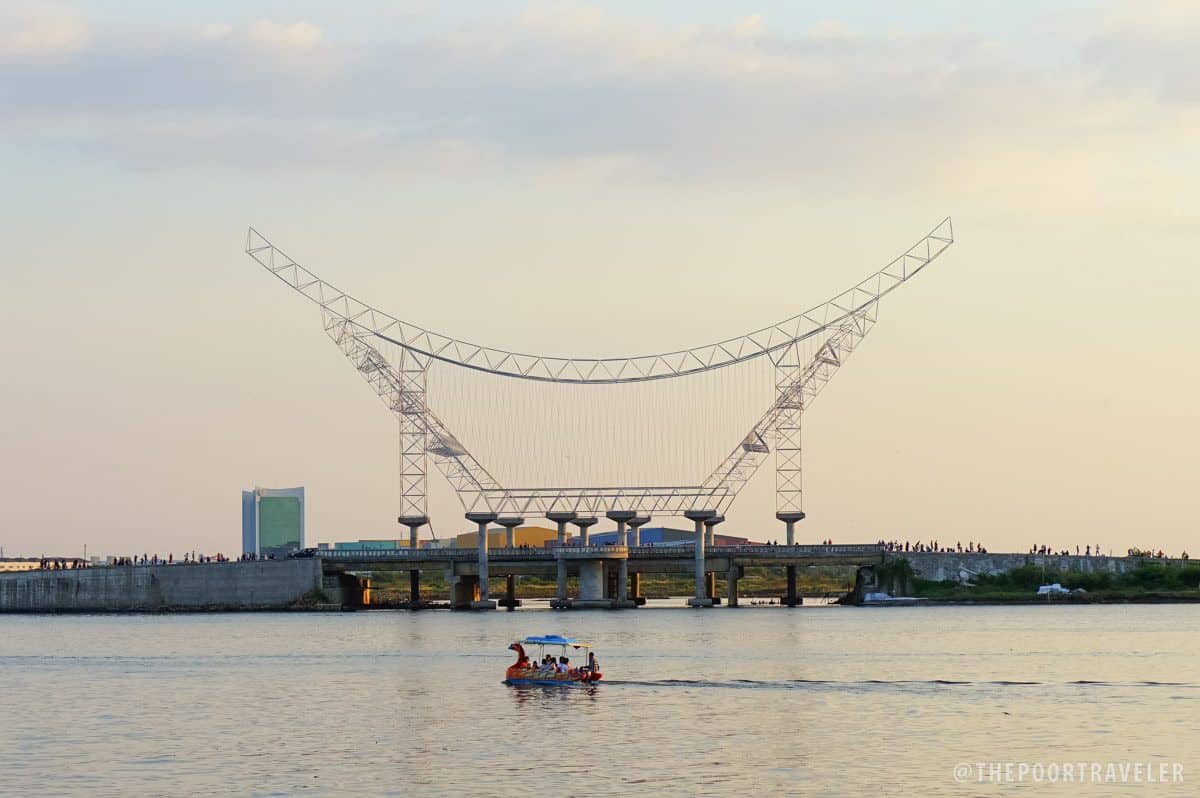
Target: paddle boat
x=527, y=671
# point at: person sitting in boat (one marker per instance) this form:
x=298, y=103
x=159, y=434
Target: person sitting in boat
x=563, y=665
x=547, y=664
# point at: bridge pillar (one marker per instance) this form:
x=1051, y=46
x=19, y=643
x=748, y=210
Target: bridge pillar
x=482, y=520
x=790, y=599
x=413, y=522
x=591, y=582
x=622, y=517
x=635, y=531
x=583, y=523
x=509, y=523
x=561, y=519
x=622, y=582
x=560, y=588
x=510, y=599
x=731, y=589
x=635, y=578
x=698, y=517
x=414, y=589
x=790, y=519
x=464, y=591
x=710, y=578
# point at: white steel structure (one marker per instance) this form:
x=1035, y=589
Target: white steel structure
x=802, y=352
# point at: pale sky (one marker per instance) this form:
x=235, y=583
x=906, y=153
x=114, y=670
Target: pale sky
x=600, y=179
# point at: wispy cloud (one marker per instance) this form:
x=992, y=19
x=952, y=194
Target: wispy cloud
x=40, y=30
x=579, y=91
x=1150, y=47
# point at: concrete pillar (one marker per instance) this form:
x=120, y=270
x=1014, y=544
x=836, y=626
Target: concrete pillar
x=790, y=598
x=635, y=530
x=464, y=591
x=790, y=519
x=709, y=525
x=560, y=591
x=635, y=588
x=731, y=589
x=510, y=593
x=622, y=517
x=710, y=578
x=623, y=580
x=481, y=521
x=414, y=589
x=591, y=580
x=509, y=523
x=583, y=524
x=413, y=522
x=561, y=519
x=698, y=517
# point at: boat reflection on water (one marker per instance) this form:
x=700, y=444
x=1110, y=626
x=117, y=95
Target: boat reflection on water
x=539, y=694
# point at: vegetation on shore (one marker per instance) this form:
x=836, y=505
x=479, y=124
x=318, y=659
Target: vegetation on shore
x=1148, y=582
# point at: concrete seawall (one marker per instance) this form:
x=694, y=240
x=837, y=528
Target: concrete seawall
x=261, y=585
x=956, y=567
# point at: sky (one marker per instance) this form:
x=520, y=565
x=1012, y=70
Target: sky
x=600, y=179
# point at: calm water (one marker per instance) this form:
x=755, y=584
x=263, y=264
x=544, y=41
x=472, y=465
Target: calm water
x=756, y=701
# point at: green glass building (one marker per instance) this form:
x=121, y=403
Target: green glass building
x=272, y=521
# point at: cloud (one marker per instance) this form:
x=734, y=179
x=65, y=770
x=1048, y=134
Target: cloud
x=1150, y=47
x=300, y=35
x=38, y=30
x=580, y=92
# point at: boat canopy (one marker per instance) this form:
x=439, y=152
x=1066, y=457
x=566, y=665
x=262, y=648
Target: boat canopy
x=554, y=640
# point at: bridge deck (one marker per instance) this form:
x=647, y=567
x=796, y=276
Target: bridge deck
x=642, y=555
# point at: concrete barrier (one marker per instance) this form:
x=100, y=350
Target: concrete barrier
x=260, y=585
x=961, y=567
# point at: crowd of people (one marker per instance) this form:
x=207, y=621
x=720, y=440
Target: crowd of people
x=1160, y=554
x=563, y=665
x=1050, y=551
x=189, y=558
x=60, y=564
x=933, y=547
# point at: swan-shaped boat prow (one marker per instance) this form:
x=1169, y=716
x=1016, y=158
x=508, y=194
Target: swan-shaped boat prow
x=558, y=670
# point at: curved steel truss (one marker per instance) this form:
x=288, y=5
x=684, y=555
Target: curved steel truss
x=358, y=330
x=771, y=340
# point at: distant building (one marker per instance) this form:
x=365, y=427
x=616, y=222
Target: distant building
x=19, y=563
x=666, y=536
x=272, y=521
x=532, y=536
x=654, y=535
x=364, y=545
